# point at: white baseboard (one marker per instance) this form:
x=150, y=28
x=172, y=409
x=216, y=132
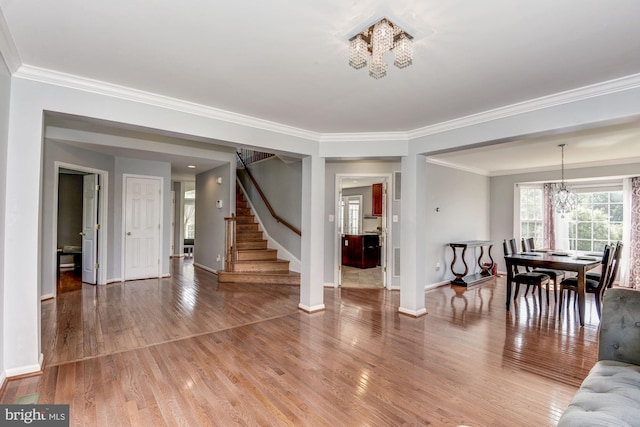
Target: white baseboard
x=114, y=280
x=313, y=309
x=436, y=285
x=46, y=297
x=23, y=370
x=204, y=267
x=413, y=313
x=330, y=285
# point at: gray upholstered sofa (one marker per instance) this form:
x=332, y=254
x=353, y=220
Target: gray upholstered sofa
x=610, y=395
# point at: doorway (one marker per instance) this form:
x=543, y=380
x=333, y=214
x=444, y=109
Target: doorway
x=142, y=226
x=362, y=232
x=77, y=235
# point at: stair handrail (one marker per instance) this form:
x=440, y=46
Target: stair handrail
x=266, y=202
x=230, y=242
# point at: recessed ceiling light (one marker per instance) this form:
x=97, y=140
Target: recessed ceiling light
x=191, y=166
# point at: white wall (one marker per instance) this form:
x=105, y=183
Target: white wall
x=463, y=203
x=210, y=224
x=54, y=151
x=178, y=229
x=281, y=184
x=355, y=167
x=31, y=96
x=22, y=228
x=5, y=90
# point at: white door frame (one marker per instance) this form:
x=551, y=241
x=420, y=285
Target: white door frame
x=160, y=180
x=90, y=230
x=103, y=211
x=336, y=229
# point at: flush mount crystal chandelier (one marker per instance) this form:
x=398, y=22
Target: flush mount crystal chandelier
x=564, y=200
x=369, y=45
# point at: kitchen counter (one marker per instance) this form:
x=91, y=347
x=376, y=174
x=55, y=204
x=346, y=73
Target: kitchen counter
x=361, y=250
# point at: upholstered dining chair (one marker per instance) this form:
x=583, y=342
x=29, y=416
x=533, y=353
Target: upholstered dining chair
x=528, y=278
x=595, y=287
x=555, y=275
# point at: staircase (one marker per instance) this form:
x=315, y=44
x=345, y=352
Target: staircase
x=255, y=263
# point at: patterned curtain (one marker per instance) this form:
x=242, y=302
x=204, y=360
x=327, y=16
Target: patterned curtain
x=634, y=253
x=548, y=222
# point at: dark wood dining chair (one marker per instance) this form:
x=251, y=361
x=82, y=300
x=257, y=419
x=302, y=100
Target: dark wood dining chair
x=556, y=276
x=528, y=278
x=595, y=275
x=595, y=287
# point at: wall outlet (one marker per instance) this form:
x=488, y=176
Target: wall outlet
x=437, y=266
x=218, y=258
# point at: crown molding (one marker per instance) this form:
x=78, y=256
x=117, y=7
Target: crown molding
x=364, y=137
x=458, y=167
x=28, y=72
x=583, y=165
x=42, y=75
x=8, y=48
x=586, y=92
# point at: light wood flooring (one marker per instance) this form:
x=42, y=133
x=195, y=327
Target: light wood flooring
x=189, y=351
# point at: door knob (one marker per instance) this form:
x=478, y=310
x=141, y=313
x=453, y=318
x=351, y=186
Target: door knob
x=128, y=233
x=82, y=233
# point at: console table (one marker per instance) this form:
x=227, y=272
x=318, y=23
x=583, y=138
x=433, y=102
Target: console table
x=486, y=268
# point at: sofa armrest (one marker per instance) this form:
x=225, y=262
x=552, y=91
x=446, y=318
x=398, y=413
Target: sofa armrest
x=620, y=326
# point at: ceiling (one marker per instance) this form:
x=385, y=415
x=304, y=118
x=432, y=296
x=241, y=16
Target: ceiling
x=286, y=61
x=605, y=145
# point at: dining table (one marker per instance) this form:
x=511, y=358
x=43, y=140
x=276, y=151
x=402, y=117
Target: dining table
x=566, y=261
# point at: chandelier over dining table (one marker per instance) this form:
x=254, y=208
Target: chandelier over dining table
x=368, y=46
x=564, y=199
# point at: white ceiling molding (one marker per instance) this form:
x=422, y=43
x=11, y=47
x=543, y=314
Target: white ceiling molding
x=446, y=164
x=364, y=137
x=566, y=97
x=8, y=48
x=42, y=75
x=75, y=82
x=506, y=172
x=600, y=163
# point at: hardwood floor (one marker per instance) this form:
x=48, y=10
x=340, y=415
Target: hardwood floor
x=69, y=279
x=190, y=351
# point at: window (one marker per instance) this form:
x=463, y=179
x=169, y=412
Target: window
x=597, y=221
x=190, y=214
x=351, y=214
x=531, y=215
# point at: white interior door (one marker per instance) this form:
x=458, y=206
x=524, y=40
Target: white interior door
x=89, y=227
x=142, y=228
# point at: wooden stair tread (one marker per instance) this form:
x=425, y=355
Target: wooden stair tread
x=255, y=262
x=285, y=278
